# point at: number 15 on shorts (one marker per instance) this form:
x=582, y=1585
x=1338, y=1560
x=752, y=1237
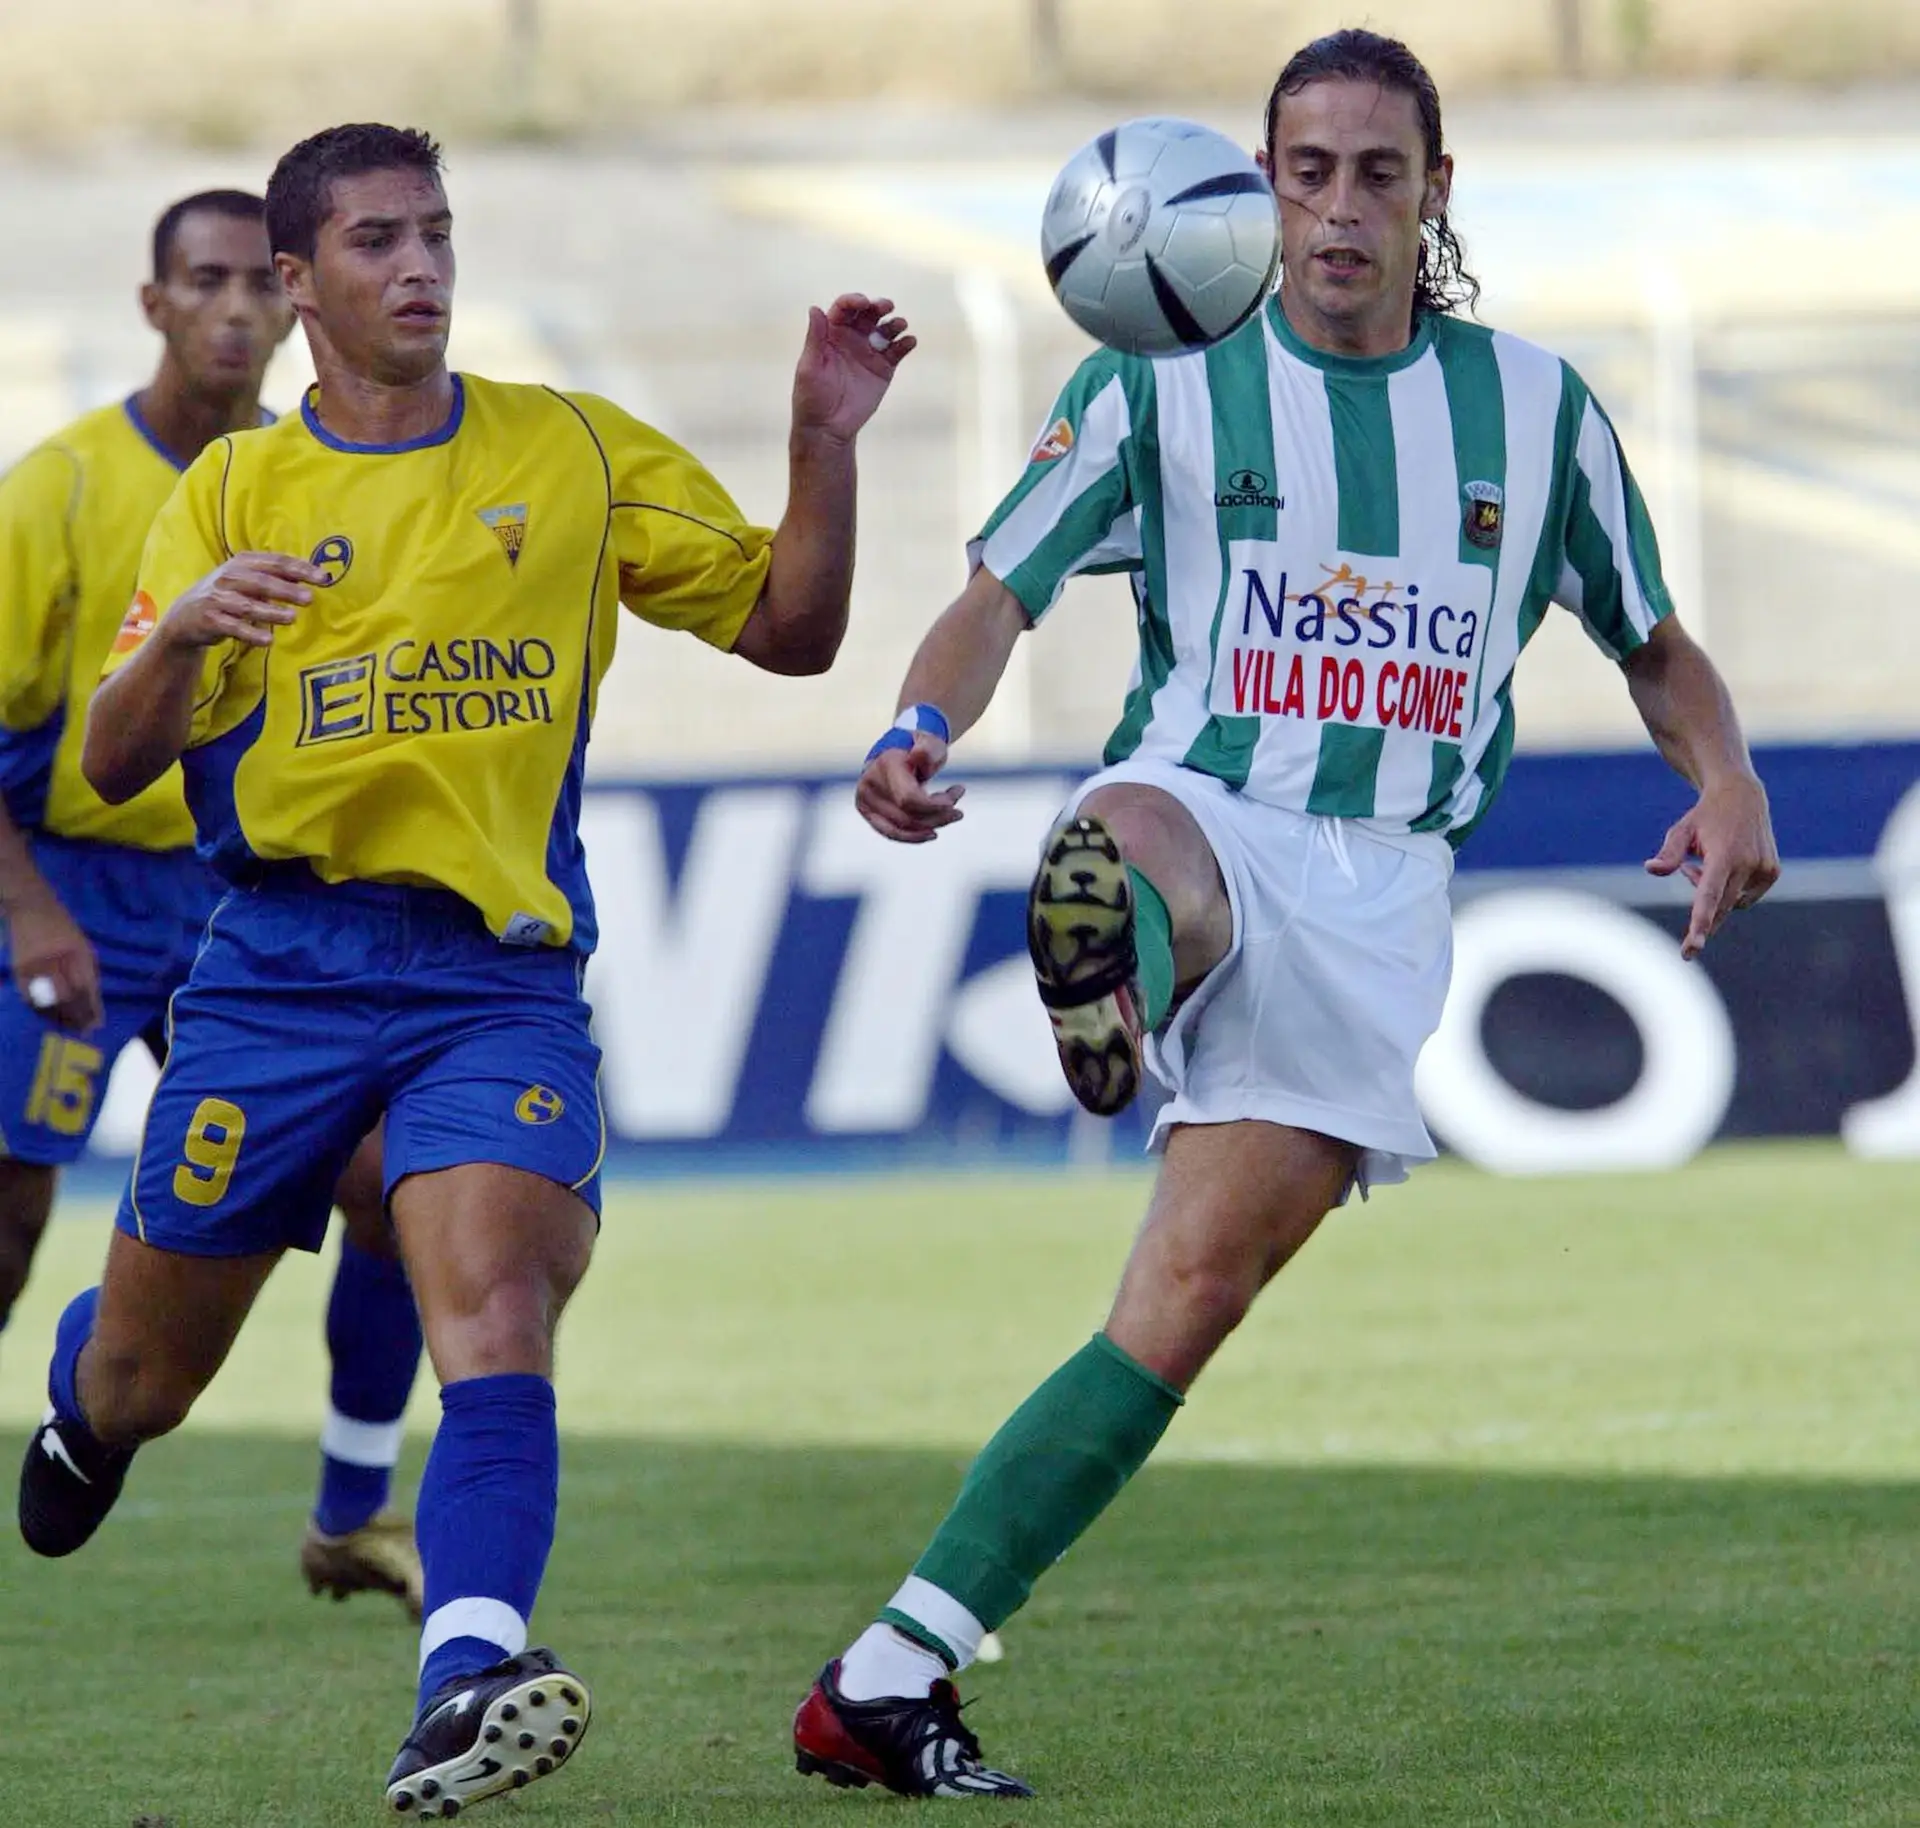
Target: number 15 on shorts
x=211, y=1149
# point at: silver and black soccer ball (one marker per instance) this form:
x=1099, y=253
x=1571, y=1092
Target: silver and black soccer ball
x=1160, y=236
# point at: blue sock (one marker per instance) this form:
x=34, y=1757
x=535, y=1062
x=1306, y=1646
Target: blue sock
x=485, y=1521
x=74, y=1329
x=373, y=1335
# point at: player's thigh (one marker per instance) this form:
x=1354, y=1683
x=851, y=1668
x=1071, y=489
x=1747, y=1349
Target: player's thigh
x=264, y=1098
x=500, y=1067
x=26, y=1200
x=360, y=1194
x=493, y=1139
x=1233, y=1203
x=164, y=1326
x=494, y=1253
x=1162, y=839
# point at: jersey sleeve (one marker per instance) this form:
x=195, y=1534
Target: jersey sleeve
x=39, y=576
x=188, y=540
x=1610, y=561
x=689, y=559
x=1075, y=507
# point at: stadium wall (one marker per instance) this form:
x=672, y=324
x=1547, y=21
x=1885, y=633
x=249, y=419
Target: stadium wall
x=227, y=73
x=778, y=987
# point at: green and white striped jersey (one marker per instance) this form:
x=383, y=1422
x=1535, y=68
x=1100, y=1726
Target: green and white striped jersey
x=1336, y=560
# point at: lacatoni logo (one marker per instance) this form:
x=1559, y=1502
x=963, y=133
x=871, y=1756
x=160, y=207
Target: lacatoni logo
x=426, y=688
x=1338, y=645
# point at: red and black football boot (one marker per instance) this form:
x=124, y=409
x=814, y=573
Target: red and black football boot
x=914, y=1747
x=1080, y=937
x=482, y=1734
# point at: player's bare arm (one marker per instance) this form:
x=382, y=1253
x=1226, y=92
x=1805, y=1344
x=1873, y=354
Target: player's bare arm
x=141, y=716
x=846, y=366
x=52, y=961
x=1724, y=845
x=957, y=668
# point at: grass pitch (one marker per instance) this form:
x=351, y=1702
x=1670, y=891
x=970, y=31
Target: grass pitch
x=1562, y=1502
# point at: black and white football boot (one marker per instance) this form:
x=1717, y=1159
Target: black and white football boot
x=69, y=1481
x=1080, y=937
x=913, y=1747
x=483, y=1734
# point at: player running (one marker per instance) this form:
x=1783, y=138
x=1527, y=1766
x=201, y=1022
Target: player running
x=1343, y=523
x=105, y=904
x=374, y=632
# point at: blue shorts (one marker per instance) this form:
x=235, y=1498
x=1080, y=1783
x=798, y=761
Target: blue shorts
x=144, y=913
x=314, y=1009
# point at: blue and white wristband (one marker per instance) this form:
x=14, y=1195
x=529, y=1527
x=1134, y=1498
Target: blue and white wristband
x=908, y=725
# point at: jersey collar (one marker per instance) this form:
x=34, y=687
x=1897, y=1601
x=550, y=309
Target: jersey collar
x=443, y=434
x=131, y=407
x=1357, y=365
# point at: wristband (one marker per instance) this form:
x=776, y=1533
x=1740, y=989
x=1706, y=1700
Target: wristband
x=909, y=724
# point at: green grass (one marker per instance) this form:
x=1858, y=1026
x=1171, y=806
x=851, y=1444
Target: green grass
x=1555, y=1502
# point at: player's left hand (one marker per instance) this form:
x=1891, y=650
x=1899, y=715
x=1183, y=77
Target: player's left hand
x=847, y=364
x=1724, y=846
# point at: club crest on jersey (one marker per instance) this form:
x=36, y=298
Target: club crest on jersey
x=334, y=556
x=1480, y=520
x=509, y=526
x=538, y=1104
x=1055, y=442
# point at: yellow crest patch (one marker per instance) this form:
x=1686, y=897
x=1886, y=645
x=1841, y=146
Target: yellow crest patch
x=509, y=526
x=538, y=1104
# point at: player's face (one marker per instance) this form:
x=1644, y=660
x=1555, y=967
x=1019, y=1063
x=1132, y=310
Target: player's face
x=379, y=289
x=1348, y=164
x=219, y=304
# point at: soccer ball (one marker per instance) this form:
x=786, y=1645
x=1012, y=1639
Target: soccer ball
x=1160, y=236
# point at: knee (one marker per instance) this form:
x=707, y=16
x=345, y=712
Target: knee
x=131, y=1398
x=26, y=1197
x=507, y=1328
x=19, y=1238
x=364, y=1214
x=1211, y=1298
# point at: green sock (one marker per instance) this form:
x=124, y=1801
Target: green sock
x=1057, y=1463
x=1153, y=948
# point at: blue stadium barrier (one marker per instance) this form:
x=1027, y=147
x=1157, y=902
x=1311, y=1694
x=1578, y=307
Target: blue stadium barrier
x=777, y=987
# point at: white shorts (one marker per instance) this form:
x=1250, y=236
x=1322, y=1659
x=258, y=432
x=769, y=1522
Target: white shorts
x=1342, y=948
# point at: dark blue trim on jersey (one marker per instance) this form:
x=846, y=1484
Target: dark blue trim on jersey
x=566, y=855
x=444, y=435
x=131, y=406
x=26, y=769
x=210, y=771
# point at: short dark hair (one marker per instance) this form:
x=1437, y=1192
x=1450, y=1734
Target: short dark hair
x=1442, y=282
x=297, y=193
x=241, y=205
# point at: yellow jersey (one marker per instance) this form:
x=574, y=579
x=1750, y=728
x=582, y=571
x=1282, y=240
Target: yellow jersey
x=424, y=719
x=74, y=514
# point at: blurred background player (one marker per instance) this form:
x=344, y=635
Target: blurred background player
x=105, y=905
x=1251, y=901
x=396, y=801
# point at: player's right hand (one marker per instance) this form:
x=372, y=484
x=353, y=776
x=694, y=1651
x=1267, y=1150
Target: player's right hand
x=244, y=600
x=48, y=948
x=893, y=797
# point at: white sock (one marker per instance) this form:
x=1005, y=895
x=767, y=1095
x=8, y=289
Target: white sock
x=883, y=1661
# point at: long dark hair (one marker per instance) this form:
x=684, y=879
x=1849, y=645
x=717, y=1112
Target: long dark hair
x=1441, y=282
